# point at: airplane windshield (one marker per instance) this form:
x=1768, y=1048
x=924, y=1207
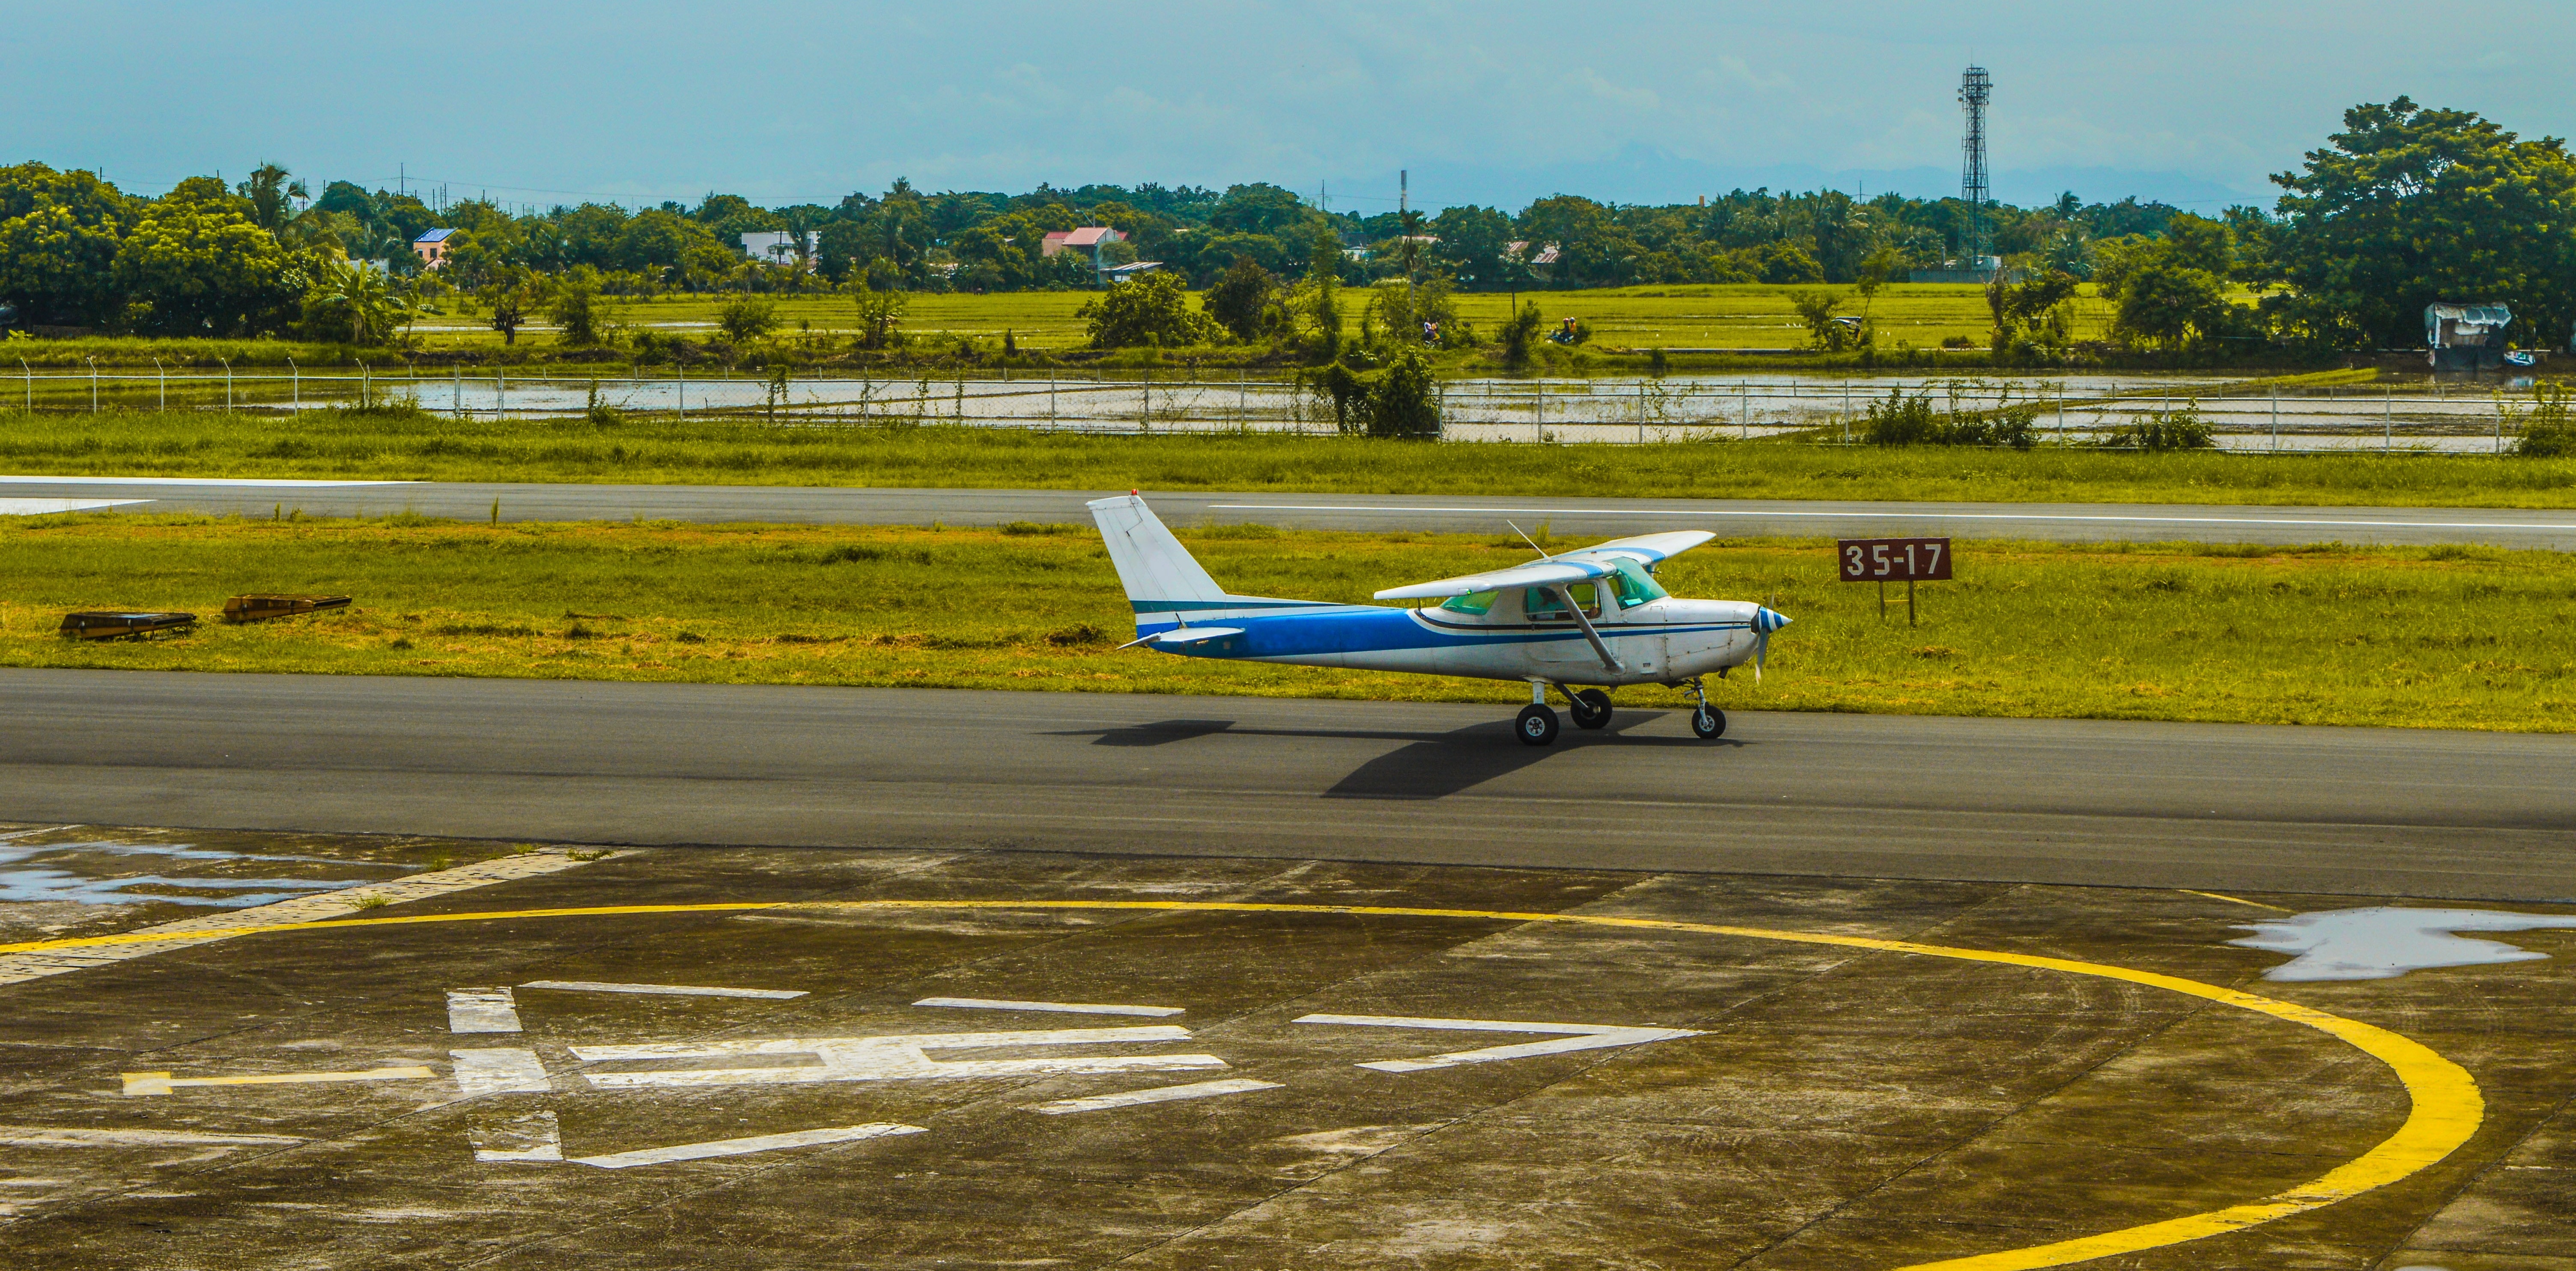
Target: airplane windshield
x=1478, y=603
x=1633, y=586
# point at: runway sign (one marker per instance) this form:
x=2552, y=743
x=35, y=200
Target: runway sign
x=1892, y=560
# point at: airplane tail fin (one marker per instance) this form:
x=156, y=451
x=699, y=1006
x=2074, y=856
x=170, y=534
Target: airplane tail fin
x=1159, y=574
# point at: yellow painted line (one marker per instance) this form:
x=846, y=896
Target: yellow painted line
x=162, y=1082
x=2444, y=1106
x=2252, y=904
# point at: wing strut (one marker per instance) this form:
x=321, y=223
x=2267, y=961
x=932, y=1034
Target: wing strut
x=1566, y=594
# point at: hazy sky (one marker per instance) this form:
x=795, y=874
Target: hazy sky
x=785, y=101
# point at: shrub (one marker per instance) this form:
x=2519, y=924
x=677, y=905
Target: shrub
x=745, y=318
x=1911, y=421
x=2162, y=430
x=1518, y=333
x=1147, y=311
x=1401, y=401
x=2545, y=431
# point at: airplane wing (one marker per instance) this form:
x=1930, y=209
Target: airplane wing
x=1538, y=573
x=1646, y=549
x=1571, y=567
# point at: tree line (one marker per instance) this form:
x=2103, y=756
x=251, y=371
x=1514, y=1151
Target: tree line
x=2403, y=206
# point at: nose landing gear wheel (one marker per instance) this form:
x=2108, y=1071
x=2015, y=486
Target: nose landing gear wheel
x=1536, y=726
x=1591, y=708
x=1708, y=723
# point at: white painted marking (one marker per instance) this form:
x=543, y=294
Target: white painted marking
x=756, y=1143
x=499, y=1070
x=1907, y=514
x=148, y=1083
x=1578, y=1037
x=17, y=968
x=669, y=990
x=49, y=507
x=1157, y=1094
x=230, y=483
x=534, y=1137
x=1069, y=1008
x=479, y=1010
x=890, y=1058
x=46, y=1136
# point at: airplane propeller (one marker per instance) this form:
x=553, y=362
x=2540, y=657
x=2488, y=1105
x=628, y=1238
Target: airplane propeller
x=1765, y=621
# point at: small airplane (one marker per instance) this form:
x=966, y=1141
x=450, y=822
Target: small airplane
x=1594, y=617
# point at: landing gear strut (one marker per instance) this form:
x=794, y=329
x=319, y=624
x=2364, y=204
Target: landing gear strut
x=1591, y=708
x=1708, y=723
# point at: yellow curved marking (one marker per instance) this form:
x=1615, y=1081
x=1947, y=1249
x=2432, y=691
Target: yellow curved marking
x=2445, y=1106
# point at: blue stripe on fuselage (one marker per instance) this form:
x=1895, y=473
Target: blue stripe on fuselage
x=1371, y=629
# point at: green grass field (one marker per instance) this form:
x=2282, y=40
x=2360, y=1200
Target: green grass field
x=1746, y=316
x=2444, y=637
x=334, y=444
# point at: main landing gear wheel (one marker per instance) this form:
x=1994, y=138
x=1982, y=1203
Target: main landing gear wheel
x=1591, y=708
x=1708, y=722
x=1536, y=726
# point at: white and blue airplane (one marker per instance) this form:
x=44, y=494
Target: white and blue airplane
x=1594, y=618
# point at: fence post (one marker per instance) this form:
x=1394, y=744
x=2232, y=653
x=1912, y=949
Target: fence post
x=2276, y=419
x=31, y=385
x=1743, y=412
x=295, y=386
x=1641, y=412
x=228, y=383
x=93, y=384
x=1145, y=414
x=681, y=392
x=456, y=390
x=366, y=386
x=163, y=378
x=500, y=394
x=2387, y=419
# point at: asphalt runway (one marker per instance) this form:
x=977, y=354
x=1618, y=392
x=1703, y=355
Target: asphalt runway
x=2061, y=522
x=2213, y=807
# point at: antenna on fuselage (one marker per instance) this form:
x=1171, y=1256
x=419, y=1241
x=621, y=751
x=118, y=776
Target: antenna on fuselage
x=1542, y=552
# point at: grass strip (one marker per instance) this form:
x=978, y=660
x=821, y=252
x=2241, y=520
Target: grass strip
x=395, y=445
x=2446, y=637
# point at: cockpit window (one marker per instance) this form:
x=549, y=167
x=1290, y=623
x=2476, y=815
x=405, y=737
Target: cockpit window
x=1478, y=603
x=1541, y=604
x=1633, y=586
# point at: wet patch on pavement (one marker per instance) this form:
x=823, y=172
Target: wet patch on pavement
x=899, y=1059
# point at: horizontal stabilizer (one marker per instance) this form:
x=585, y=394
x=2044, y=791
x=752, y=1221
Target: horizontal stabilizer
x=1185, y=635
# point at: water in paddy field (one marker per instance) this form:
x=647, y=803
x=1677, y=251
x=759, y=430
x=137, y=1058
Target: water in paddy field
x=2451, y=418
x=2384, y=942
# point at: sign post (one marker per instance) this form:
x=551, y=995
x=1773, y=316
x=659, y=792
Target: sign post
x=1885, y=560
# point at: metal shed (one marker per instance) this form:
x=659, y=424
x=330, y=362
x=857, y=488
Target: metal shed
x=2466, y=336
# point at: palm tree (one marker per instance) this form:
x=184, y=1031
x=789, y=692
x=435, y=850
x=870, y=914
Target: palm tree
x=268, y=189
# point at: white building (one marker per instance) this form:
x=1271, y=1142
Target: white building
x=778, y=247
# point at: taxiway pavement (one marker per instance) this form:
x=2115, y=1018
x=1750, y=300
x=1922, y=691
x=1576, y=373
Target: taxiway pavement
x=2349, y=811
x=2553, y=529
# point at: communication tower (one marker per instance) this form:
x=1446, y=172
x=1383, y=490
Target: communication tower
x=1975, y=88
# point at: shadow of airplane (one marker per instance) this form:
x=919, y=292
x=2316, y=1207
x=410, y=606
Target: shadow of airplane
x=1433, y=766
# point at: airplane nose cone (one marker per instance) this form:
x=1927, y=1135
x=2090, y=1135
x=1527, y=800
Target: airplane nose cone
x=1766, y=621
